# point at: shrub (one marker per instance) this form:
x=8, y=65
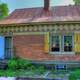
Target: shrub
x=10, y=73
x=12, y=64
x=2, y=72
x=40, y=69
x=7, y=73
x=19, y=63
x=72, y=77
x=23, y=63
x=75, y=75
x=32, y=68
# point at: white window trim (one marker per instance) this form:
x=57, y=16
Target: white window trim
x=62, y=47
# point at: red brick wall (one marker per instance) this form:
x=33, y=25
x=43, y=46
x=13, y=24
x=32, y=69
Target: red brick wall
x=30, y=46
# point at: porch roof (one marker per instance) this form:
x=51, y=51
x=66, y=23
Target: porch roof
x=29, y=15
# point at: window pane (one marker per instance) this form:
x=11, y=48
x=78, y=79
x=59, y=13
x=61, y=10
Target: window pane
x=67, y=43
x=55, y=43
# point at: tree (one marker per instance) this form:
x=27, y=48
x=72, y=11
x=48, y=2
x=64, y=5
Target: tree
x=3, y=10
x=77, y=2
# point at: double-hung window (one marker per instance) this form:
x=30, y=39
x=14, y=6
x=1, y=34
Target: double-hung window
x=61, y=43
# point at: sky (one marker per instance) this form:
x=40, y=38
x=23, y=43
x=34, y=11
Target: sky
x=15, y=4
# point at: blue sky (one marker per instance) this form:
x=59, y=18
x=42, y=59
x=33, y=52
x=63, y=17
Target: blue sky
x=13, y=4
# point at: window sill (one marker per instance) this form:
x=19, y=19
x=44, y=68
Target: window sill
x=63, y=53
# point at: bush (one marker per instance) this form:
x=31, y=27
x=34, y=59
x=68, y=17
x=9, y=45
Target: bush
x=23, y=63
x=72, y=77
x=18, y=64
x=75, y=75
x=2, y=72
x=40, y=69
x=32, y=68
x=10, y=73
x=12, y=64
x=7, y=73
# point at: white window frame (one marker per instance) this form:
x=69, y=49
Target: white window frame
x=62, y=44
x=55, y=52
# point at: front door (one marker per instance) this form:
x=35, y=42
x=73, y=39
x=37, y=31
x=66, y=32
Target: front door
x=8, y=47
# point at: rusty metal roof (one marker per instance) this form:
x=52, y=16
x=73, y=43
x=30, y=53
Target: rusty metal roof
x=29, y=15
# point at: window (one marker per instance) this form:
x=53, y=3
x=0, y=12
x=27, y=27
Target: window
x=61, y=43
x=67, y=43
x=55, y=44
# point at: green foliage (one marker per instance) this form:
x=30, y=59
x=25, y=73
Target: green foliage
x=23, y=63
x=3, y=10
x=17, y=67
x=2, y=73
x=75, y=75
x=77, y=2
x=12, y=64
x=7, y=73
x=10, y=73
x=72, y=77
x=32, y=68
x=21, y=67
x=40, y=69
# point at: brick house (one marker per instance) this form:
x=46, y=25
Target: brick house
x=42, y=34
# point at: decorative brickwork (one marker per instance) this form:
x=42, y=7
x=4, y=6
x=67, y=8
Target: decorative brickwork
x=41, y=28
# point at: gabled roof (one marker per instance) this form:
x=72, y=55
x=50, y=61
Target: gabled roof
x=58, y=13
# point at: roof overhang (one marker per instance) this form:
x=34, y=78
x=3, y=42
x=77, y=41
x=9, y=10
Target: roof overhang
x=42, y=23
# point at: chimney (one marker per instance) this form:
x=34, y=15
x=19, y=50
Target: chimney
x=46, y=5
